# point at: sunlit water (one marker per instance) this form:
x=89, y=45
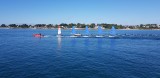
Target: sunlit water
x=136, y=54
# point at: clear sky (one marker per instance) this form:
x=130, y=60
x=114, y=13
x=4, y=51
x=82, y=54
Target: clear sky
x=125, y=12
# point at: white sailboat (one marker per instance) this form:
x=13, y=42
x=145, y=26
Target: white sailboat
x=59, y=32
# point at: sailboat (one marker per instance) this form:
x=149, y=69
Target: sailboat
x=59, y=32
x=99, y=32
x=112, y=32
x=86, y=32
x=74, y=34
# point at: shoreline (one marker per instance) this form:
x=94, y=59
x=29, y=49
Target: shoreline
x=76, y=28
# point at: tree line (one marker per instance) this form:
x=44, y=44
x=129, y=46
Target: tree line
x=80, y=25
x=64, y=25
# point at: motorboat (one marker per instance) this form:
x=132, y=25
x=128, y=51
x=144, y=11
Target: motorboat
x=38, y=35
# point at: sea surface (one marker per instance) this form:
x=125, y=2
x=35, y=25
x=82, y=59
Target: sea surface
x=136, y=54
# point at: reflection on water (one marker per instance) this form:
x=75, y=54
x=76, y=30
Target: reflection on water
x=59, y=42
x=112, y=43
x=73, y=42
x=99, y=43
x=86, y=42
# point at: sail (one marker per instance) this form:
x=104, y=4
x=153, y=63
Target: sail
x=86, y=31
x=99, y=30
x=59, y=30
x=73, y=30
x=113, y=31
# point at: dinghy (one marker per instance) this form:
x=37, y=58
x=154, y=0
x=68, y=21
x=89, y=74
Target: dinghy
x=74, y=34
x=99, y=32
x=86, y=32
x=112, y=33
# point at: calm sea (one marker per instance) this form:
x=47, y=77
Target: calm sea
x=23, y=56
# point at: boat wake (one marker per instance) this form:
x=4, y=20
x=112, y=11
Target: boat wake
x=48, y=36
x=119, y=36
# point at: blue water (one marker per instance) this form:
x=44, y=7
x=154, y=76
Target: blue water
x=23, y=56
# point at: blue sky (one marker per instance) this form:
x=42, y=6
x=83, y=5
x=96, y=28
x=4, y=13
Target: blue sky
x=125, y=12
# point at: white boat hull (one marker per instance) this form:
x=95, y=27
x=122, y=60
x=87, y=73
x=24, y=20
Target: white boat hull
x=111, y=36
x=73, y=36
x=85, y=36
x=99, y=36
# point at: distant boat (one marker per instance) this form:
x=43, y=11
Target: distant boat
x=38, y=35
x=86, y=32
x=99, y=32
x=112, y=32
x=73, y=30
x=59, y=32
x=74, y=34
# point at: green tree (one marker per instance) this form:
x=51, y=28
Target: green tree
x=13, y=25
x=78, y=25
x=64, y=25
x=83, y=25
x=24, y=26
x=71, y=24
x=3, y=25
x=49, y=25
x=92, y=25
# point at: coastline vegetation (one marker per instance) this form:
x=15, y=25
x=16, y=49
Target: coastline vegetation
x=79, y=25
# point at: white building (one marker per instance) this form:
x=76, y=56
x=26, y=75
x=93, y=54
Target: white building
x=158, y=26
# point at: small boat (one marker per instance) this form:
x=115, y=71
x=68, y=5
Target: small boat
x=112, y=32
x=74, y=34
x=86, y=32
x=77, y=34
x=99, y=32
x=59, y=32
x=38, y=35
